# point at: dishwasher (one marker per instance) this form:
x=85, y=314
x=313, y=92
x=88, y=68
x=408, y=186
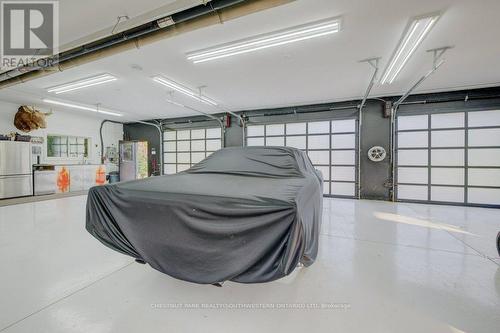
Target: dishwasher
x=44, y=179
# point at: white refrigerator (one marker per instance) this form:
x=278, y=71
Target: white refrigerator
x=15, y=169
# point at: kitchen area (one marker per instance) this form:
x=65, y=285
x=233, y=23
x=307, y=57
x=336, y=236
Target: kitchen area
x=23, y=174
x=40, y=164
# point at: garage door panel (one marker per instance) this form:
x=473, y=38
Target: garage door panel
x=326, y=188
x=447, y=157
x=412, y=192
x=319, y=127
x=447, y=176
x=343, y=157
x=213, y=133
x=413, y=157
x=183, y=146
x=413, y=122
x=184, y=135
x=329, y=143
x=255, y=130
x=296, y=141
x=319, y=157
x=198, y=145
x=464, y=157
x=413, y=140
x=191, y=146
x=255, y=141
x=484, y=157
x=198, y=134
x=275, y=129
x=213, y=145
x=344, y=173
x=447, y=194
x=343, y=141
x=197, y=157
x=484, y=137
x=419, y=175
x=318, y=142
x=182, y=167
x=296, y=128
x=170, y=135
x=183, y=158
x=484, y=177
x=448, y=120
x=484, y=196
x=484, y=118
x=344, y=126
x=170, y=157
x=343, y=189
x=448, y=138
x=170, y=169
x=170, y=146
x=325, y=170
x=275, y=141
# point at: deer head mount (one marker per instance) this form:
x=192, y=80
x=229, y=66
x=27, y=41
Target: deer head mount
x=28, y=119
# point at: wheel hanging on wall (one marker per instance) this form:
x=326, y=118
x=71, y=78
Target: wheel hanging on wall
x=377, y=154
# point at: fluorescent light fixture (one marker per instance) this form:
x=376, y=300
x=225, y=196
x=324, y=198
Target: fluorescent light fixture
x=175, y=103
x=260, y=42
x=186, y=91
x=109, y=112
x=82, y=107
x=415, y=33
x=80, y=84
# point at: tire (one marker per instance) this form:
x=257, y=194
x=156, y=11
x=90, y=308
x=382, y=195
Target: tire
x=498, y=243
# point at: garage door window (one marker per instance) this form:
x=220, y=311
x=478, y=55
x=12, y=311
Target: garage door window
x=331, y=145
x=449, y=157
x=184, y=148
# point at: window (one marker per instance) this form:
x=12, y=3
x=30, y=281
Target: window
x=331, y=146
x=185, y=147
x=67, y=146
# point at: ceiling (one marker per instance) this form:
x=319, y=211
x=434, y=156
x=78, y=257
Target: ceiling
x=324, y=69
x=75, y=27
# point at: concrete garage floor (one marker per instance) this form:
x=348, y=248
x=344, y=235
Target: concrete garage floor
x=382, y=267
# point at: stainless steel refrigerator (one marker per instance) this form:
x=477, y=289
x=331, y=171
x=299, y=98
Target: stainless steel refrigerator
x=15, y=169
x=133, y=160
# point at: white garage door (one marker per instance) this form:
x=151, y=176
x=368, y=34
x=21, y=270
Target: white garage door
x=331, y=146
x=449, y=157
x=184, y=148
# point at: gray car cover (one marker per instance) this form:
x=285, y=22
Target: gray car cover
x=243, y=214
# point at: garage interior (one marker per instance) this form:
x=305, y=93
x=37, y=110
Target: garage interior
x=395, y=102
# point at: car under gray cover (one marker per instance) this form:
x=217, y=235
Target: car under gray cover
x=243, y=214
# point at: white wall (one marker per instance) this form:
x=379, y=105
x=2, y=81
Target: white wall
x=66, y=123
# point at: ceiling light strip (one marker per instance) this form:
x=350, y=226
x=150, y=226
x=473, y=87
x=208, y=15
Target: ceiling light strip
x=80, y=84
x=313, y=30
x=82, y=107
x=400, y=51
x=415, y=34
x=259, y=42
x=403, y=63
x=261, y=47
x=184, y=90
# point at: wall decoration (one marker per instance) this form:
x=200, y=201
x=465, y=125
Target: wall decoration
x=100, y=175
x=63, y=180
x=28, y=119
